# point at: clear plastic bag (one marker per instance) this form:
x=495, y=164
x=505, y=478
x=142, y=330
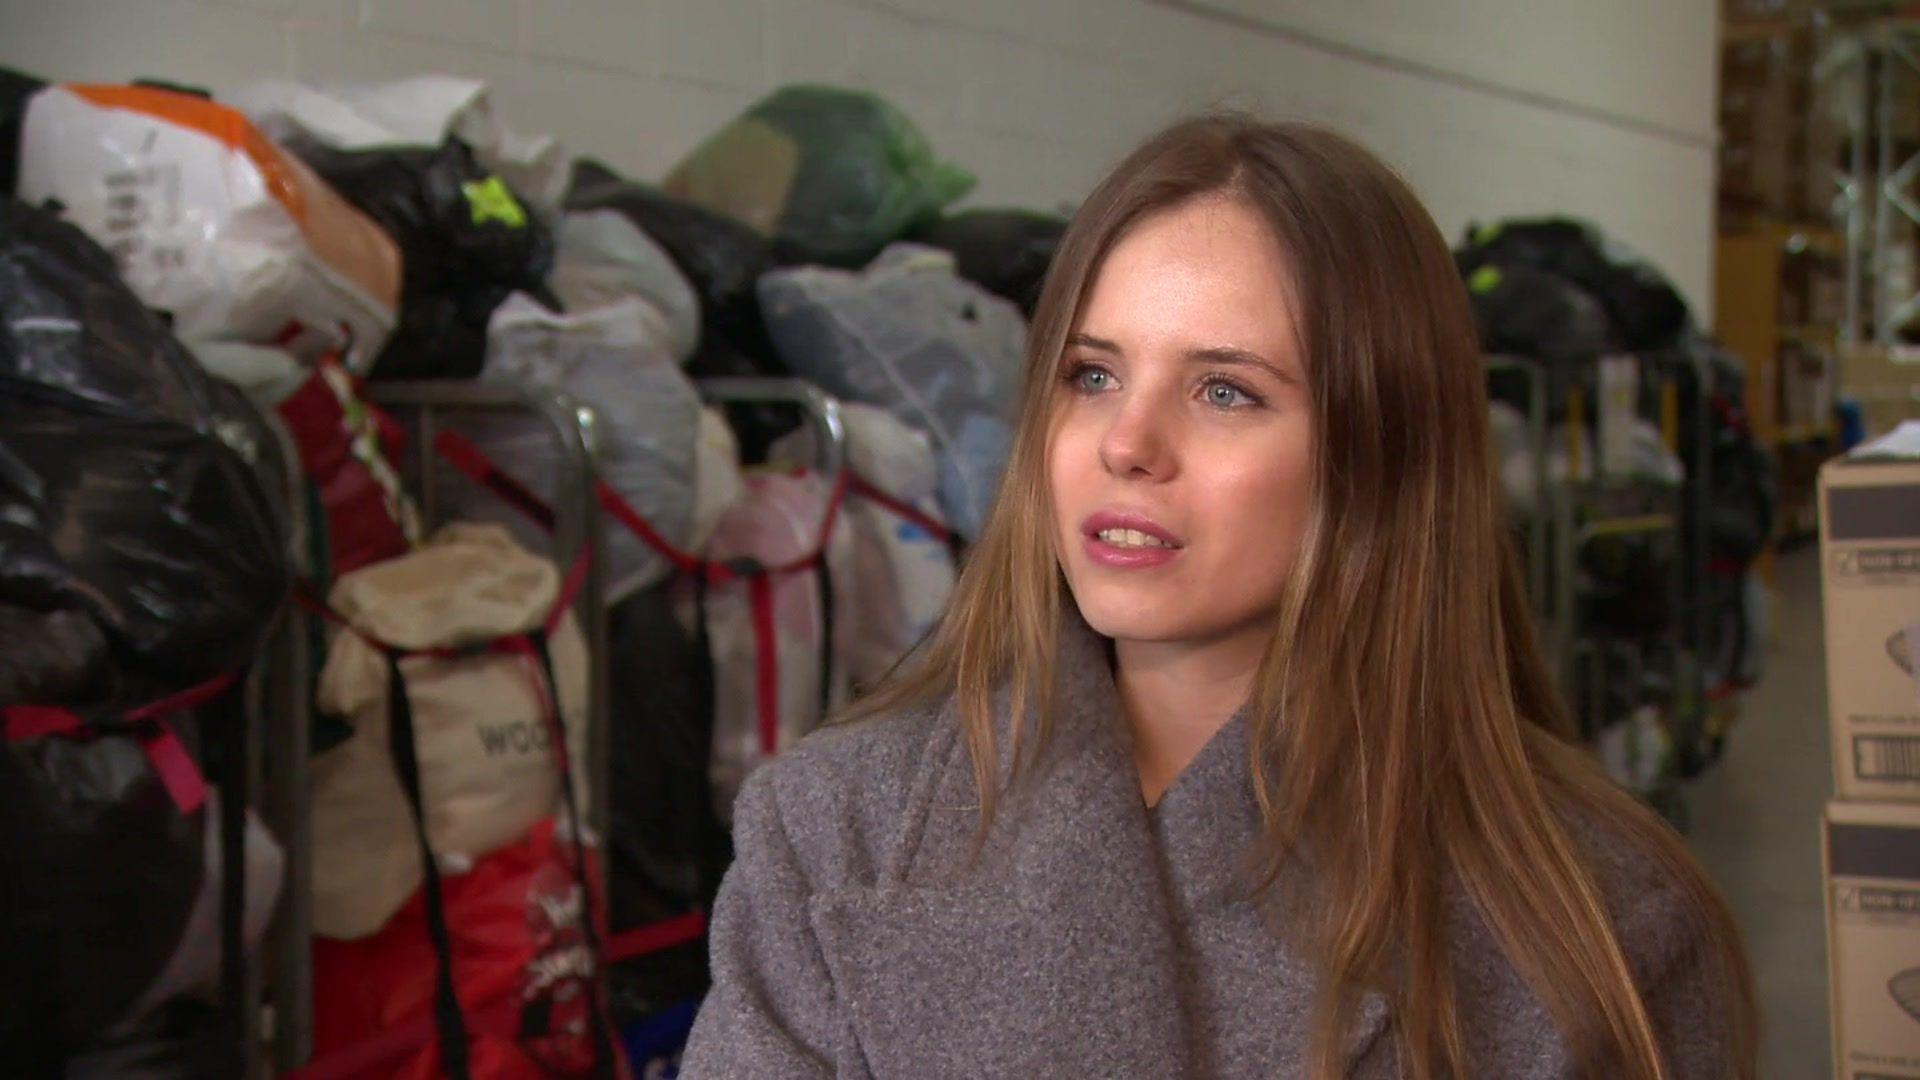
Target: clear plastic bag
x=907, y=334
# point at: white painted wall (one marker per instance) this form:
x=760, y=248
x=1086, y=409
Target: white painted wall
x=1600, y=108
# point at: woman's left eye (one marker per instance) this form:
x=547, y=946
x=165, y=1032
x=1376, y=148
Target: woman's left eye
x=1225, y=395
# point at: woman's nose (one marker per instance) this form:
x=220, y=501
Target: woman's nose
x=1137, y=443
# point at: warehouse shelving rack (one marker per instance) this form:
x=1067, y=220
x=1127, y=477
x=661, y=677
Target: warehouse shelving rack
x=1569, y=512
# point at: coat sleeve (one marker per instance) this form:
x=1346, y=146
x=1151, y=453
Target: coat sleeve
x=772, y=1010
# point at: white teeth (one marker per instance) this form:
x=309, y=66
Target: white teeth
x=1130, y=538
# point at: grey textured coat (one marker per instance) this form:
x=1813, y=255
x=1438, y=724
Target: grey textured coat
x=1097, y=938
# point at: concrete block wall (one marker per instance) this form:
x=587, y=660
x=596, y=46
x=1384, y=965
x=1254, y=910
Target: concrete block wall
x=1490, y=107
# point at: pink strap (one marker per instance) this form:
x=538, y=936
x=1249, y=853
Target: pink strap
x=766, y=658
x=175, y=767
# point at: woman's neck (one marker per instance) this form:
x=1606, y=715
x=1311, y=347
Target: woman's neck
x=1177, y=696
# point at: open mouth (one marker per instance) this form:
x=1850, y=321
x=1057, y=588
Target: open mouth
x=1128, y=540
x=1131, y=538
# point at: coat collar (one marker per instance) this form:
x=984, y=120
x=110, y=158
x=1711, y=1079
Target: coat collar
x=1071, y=926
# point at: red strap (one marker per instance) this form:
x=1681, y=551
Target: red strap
x=171, y=762
x=655, y=937
x=570, y=587
x=175, y=767
x=39, y=721
x=617, y=505
x=460, y=452
x=191, y=698
x=766, y=658
x=865, y=488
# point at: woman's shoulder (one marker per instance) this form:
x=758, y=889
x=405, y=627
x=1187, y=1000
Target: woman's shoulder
x=1652, y=888
x=838, y=797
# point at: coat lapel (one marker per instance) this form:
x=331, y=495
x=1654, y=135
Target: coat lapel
x=1050, y=955
x=1063, y=951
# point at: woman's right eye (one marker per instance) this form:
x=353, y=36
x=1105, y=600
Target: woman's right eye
x=1089, y=378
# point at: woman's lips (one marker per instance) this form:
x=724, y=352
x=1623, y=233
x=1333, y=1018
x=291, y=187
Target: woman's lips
x=1103, y=553
x=1128, y=541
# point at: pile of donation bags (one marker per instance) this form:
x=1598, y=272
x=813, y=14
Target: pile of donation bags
x=226, y=281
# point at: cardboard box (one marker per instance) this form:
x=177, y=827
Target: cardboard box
x=1872, y=877
x=1870, y=578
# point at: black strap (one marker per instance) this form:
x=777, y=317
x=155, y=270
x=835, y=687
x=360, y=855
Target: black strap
x=406, y=762
x=825, y=581
x=603, y=1051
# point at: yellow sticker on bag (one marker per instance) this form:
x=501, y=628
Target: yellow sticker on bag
x=491, y=200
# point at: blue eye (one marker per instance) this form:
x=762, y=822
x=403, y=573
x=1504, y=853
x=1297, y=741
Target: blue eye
x=1089, y=379
x=1224, y=395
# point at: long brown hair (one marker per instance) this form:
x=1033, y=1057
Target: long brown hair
x=1428, y=744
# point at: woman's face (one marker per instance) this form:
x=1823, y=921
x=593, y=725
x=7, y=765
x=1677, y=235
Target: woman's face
x=1180, y=451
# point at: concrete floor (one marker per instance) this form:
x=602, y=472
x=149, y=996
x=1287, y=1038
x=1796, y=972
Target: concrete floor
x=1756, y=826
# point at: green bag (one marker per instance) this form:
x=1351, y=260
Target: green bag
x=829, y=175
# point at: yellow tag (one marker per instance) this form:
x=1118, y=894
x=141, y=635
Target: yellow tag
x=1485, y=279
x=490, y=200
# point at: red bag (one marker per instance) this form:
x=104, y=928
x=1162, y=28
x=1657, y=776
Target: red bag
x=523, y=966
x=346, y=446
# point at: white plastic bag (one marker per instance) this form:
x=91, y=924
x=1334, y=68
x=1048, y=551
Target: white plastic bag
x=777, y=521
x=910, y=335
x=424, y=110
x=718, y=483
x=600, y=258
x=1645, y=455
x=211, y=222
x=902, y=574
x=613, y=360
x=1516, y=456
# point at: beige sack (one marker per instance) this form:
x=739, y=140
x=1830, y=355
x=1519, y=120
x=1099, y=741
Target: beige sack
x=487, y=771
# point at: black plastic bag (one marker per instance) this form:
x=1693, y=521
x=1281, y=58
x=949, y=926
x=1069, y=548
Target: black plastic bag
x=1742, y=472
x=1528, y=312
x=466, y=243
x=100, y=872
x=139, y=555
x=1006, y=252
x=666, y=849
x=1628, y=582
x=1645, y=310
x=123, y=490
x=157, y=531
x=68, y=322
x=16, y=88
x=57, y=655
x=723, y=259
x=180, y=1041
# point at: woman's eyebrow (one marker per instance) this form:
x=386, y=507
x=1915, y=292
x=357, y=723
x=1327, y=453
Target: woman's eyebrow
x=1091, y=342
x=1231, y=356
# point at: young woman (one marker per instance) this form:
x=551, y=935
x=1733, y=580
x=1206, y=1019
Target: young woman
x=1234, y=754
